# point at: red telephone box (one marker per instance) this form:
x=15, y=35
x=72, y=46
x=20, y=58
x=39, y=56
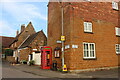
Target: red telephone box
x=46, y=57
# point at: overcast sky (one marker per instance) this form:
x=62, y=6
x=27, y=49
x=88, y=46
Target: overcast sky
x=14, y=14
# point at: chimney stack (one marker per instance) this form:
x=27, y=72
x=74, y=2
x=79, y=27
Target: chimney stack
x=17, y=32
x=22, y=27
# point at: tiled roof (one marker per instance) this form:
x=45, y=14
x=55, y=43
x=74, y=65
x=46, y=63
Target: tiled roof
x=29, y=40
x=6, y=41
x=15, y=39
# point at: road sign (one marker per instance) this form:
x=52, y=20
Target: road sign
x=59, y=41
x=62, y=38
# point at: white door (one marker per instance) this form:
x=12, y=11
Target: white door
x=37, y=58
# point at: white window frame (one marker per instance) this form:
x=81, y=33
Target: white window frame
x=117, y=48
x=87, y=27
x=115, y=5
x=57, y=53
x=88, y=0
x=89, y=57
x=117, y=31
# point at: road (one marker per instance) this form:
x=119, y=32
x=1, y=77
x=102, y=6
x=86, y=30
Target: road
x=11, y=72
x=25, y=71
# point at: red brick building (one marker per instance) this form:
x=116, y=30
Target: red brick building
x=91, y=31
x=26, y=40
x=5, y=42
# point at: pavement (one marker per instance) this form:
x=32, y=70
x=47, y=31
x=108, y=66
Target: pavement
x=37, y=72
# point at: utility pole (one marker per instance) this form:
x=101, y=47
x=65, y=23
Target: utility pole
x=62, y=35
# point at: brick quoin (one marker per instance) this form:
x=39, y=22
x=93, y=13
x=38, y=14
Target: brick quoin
x=104, y=20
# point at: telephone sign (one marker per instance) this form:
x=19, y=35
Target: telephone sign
x=62, y=38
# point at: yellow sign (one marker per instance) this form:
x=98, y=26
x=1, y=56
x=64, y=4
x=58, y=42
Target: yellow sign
x=62, y=38
x=64, y=68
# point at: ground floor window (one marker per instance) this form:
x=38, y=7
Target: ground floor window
x=57, y=54
x=117, y=48
x=89, y=50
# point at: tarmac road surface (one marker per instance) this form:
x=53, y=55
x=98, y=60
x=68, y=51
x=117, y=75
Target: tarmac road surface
x=25, y=71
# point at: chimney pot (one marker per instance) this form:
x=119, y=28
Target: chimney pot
x=22, y=27
x=17, y=32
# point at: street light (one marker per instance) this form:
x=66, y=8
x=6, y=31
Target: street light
x=62, y=36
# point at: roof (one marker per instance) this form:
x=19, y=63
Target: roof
x=29, y=40
x=6, y=41
x=15, y=39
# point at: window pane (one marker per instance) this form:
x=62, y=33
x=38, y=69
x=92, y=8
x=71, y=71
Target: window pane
x=117, y=31
x=114, y=5
x=57, y=53
x=118, y=48
x=91, y=47
x=86, y=47
x=85, y=26
x=86, y=50
x=85, y=53
x=90, y=27
x=91, y=53
x=91, y=50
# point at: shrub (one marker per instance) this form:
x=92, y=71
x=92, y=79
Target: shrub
x=31, y=62
x=23, y=61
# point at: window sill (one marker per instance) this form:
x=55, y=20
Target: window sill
x=57, y=57
x=89, y=58
x=117, y=35
x=89, y=32
x=116, y=9
x=117, y=53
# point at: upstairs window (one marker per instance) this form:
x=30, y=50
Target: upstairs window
x=88, y=0
x=114, y=5
x=117, y=30
x=87, y=27
x=117, y=48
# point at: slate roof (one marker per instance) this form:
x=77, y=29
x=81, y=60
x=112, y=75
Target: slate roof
x=29, y=40
x=6, y=41
x=15, y=39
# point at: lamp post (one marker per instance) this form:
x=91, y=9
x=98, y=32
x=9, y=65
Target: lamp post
x=62, y=35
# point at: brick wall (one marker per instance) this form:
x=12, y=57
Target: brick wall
x=24, y=53
x=22, y=36
x=28, y=31
x=39, y=40
x=104, y=20
x=10, y=58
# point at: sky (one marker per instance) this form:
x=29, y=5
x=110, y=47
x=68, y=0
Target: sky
x=14, y=13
